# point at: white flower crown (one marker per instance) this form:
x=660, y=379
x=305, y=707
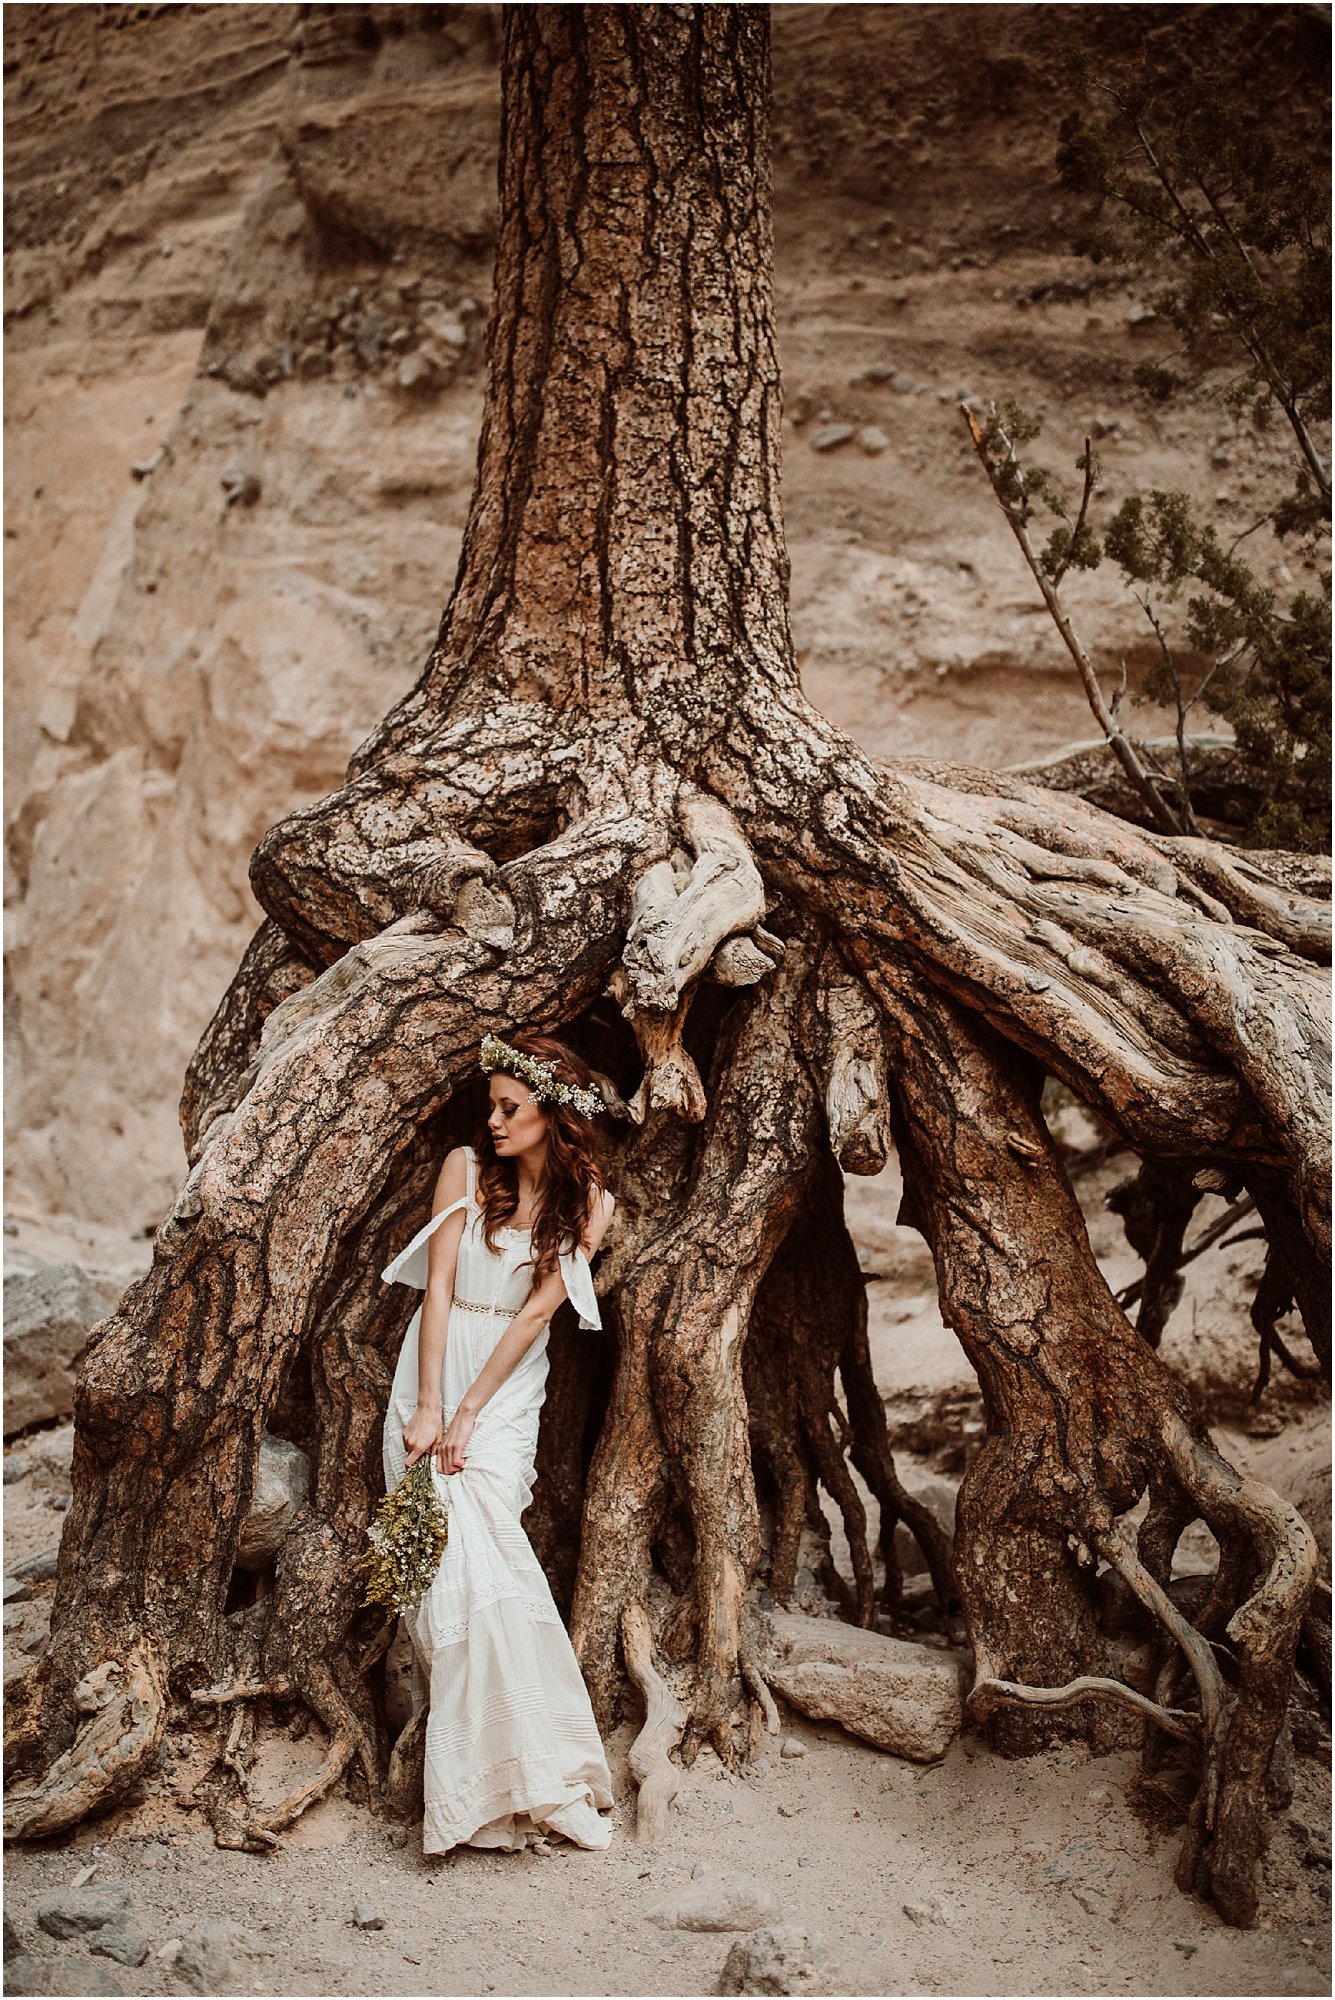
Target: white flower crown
x=496, y=1054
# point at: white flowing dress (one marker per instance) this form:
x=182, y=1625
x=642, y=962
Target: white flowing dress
x=512, y=1749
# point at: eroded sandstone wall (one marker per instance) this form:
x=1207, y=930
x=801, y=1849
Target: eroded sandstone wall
x=248, y=255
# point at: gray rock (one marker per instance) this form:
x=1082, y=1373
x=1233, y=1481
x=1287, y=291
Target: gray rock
x=76, y=1912
x=873, y=440
x=792, y=1746
x=938, y=1496
x=781, y=1959
x=241, y=483
x=16, y=1468
x=15, y=1590
x=127, y=1947
x=715, y=1902
x=418, y=375
x=366, y=1918
x=39, y=1569
x=830, y=436
x=903, y=385
x=25, y=1974
x=206, y=1961
x=49, y=1313
x=878, y=373
x=13, y=1942
x=81, y=1979
x=904, y=1698
x=282, y=1478
x=370, y=338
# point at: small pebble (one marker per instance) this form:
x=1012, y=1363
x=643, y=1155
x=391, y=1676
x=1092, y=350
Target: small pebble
x=366, y=1918
x=792, y=1746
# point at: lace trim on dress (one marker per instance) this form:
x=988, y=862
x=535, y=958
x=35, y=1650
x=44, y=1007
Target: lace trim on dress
x=451, y=1631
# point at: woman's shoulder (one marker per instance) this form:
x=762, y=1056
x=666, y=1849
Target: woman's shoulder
x=601, y=1204
x=452, y=1180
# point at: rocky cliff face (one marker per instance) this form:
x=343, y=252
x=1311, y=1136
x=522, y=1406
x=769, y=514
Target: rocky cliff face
x=248, y=269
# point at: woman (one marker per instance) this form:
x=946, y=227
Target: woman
x=512, y=1750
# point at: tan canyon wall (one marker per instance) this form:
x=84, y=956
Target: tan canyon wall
x=248, y=255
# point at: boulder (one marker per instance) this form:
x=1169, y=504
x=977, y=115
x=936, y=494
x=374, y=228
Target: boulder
x=418, y=375
x=782, y=1959
x=75, y=1912
x=39, y=1568
x=938, y=1496
x=117, y=1941
x=713, y=1902
x=904, y=1698
x=206, y=1961
x=282, y=1478
x=49, y=1313
x=27, y=1973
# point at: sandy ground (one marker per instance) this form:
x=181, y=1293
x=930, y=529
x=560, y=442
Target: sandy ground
x=1045, y=1881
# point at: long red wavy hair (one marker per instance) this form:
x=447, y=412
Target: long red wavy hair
x=574, y=1163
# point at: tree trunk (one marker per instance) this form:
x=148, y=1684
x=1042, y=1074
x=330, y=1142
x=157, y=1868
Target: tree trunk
x=607, y=808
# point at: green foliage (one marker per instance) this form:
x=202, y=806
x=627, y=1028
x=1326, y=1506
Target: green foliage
x=1243, y=214
x=1237, y=213
x=1270, y=675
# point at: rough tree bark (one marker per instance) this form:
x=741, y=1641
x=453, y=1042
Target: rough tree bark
x=607, y=807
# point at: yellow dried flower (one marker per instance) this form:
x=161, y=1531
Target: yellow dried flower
x=408, y=1538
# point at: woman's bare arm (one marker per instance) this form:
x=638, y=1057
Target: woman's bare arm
x=424, y=1427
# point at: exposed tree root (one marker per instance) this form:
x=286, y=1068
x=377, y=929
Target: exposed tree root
x=982, y=1174
x=664, y=1720
x=125, y=1702
x=986, y=1695
x=403, y=1782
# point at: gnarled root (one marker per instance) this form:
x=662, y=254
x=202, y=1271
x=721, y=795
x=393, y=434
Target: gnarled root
x=407, y=1766
x=1227, y=1827
x=664, y=1720
x=1082, y=1418
x=126, y=1705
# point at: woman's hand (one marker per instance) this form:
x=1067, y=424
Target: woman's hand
x=454, y=1444
x=422, y=1433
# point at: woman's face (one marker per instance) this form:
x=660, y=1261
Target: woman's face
x=516, y=1119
